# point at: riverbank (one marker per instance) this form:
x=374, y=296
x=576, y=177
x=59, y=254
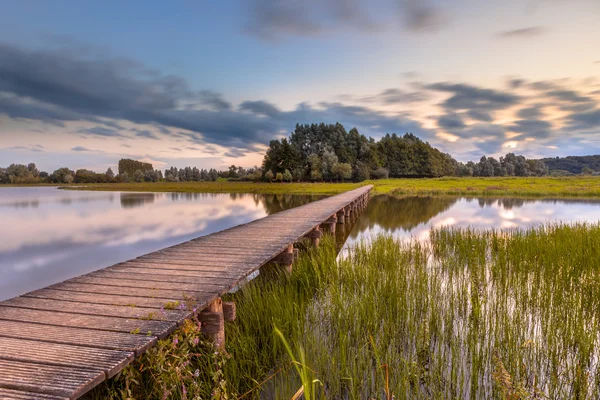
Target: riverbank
x=564, y=187
x=451, y=317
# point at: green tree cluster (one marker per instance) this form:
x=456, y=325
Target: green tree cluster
x=327, y=152
x=19, y=173
x=509, y=165
x=189, y=174
x=129, y=167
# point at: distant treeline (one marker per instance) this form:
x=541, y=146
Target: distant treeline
x=324, y=152
x=573, y=165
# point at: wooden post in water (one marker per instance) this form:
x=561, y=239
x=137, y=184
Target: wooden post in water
x=213, y=324
x=341, y=216
x=315, y=236
x=229, y=311
x=286, y=258
x=329, y=225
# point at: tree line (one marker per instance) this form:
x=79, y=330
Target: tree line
x=321, y=152
x=317, y=152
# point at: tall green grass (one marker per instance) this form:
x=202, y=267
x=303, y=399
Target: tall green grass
x=466, y=314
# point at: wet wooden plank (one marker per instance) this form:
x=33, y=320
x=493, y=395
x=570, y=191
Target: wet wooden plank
x=95, y=309
x=77, y=336
x=63, y=355
x=115, y=324
x=49, y=380
x=81, y=297
x=9, y=394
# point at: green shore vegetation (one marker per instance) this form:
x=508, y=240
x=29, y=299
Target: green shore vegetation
x=498, y=187
x=465, y=314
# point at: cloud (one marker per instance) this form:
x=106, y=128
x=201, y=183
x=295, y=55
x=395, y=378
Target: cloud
x=80, y=148
x=397, y=96
x=100, y=131
x=522, y=32
x=35, y=149
x=451, y=121
x=272, y=19
x=421, y=15
x=467, y=97
x=585, y=120
x=530, y=112
x=145, y=134
x=532, y=128
x=213, y=100
x=235, y=153
x=260, y=107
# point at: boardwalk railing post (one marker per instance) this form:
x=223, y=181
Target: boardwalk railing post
x=213, y=323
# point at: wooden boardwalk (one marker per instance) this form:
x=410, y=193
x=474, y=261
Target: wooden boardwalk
x=60, y=341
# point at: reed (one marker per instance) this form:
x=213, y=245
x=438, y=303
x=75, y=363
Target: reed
x=466, y=314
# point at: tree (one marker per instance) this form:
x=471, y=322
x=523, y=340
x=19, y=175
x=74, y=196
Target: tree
x=279, y=177
x=381, y=173
x=269, y=175
x=130, y=166
x=62, y=175
x=341, y=171
x=233, y=172
x=287, y=175
x=328, y=160
x=109, y=173
x=138, y=176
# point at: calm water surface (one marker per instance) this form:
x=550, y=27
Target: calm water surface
x=49, y=235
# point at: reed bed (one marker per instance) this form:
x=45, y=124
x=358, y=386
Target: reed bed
x=465, y=314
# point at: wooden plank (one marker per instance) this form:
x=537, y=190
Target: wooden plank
x=214, y=278
x=50, y=380
x=9, y=394
x=187, y=270
x=115, y=324
x=116, y=274
x=191, y=258
x=80, y=297
x=164, y=294
x=63, y=355
x=97, y=309
x=77, y=336
x=140, y=284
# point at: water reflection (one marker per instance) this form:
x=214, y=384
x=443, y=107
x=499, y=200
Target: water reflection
x=49, y=235
x=415, y=216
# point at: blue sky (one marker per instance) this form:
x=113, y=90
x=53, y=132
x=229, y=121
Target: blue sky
x=209, y=83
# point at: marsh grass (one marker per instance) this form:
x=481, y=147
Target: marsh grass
x=465, y=314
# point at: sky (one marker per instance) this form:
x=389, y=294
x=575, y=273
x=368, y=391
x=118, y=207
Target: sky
x=209, y=83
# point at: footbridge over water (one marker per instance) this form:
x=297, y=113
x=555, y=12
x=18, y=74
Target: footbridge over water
x=61, y=341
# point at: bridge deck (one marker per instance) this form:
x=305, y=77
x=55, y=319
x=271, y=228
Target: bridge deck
x=60, y=341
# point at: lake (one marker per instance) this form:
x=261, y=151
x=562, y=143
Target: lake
x=49, y=235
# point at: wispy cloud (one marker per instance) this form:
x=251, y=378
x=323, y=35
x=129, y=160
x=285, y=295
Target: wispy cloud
x=530, y=31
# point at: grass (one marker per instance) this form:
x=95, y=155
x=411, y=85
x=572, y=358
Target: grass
x=513, y=187
x=467, y=314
